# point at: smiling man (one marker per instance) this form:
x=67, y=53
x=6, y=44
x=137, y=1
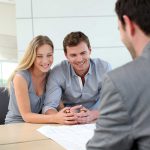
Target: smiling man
x=76, y=81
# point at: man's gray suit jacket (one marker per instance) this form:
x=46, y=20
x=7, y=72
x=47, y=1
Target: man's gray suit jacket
x=124, y=121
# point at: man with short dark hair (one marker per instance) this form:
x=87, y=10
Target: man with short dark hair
x=124, y=120
x=76, y=81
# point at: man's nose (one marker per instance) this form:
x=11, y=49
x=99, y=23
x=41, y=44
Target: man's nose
x=79, y=58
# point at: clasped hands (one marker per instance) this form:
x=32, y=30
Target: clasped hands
x=77, y=115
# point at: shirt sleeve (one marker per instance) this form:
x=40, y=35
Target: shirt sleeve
x=96, y=105
x=53, y=93
x=113, y=126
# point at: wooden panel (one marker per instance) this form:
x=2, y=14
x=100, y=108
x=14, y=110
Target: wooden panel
x=37, y=145
x=21, y=132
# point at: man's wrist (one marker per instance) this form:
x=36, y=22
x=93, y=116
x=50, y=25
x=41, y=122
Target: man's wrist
x=95, y=114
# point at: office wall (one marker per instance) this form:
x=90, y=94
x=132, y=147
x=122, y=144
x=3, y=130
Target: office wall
x=56, y=18
x=8, y=44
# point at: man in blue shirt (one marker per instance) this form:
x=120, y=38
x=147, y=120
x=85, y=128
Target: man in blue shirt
x=76, y=81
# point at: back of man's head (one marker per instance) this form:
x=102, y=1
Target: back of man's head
x=137, y=10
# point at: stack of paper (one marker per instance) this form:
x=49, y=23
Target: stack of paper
x=72, y=137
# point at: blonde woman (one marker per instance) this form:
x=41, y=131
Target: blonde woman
x=27, y=84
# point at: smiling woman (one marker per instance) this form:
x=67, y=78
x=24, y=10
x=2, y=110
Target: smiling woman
x=27, y=83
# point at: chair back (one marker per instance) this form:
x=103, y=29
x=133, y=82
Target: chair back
x=4, y=100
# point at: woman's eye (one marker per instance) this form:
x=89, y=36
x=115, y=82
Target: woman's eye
x=39, y=56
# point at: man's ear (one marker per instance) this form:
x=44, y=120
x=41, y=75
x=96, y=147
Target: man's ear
x=90, y=50
x=129, y=25
x=65, y=54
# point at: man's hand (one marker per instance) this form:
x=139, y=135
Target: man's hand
x=76, y=109
x=87, y=116
x=84, y=115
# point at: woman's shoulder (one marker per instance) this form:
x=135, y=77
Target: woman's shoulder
x=25, y=74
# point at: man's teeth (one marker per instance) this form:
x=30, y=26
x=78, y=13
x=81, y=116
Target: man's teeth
x=81, y=63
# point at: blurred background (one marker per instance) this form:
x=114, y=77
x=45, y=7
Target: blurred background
x=21, y=20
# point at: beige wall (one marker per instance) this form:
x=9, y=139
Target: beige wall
x=8, y=46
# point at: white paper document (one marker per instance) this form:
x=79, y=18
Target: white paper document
x=72, y=137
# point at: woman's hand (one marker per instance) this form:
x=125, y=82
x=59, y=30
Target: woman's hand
x=64, y=117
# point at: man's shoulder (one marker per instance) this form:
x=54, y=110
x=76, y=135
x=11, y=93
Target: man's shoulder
x=98, y=61
x=60, y=68
x=25, y=73
x=120, y=72
x=129, y=70
x=100, y=65
x=123, y=77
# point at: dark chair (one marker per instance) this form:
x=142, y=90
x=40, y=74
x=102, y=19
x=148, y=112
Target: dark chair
x=4, y=100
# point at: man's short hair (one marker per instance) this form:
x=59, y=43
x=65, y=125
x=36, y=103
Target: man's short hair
x=74, y=38
x=137, y=10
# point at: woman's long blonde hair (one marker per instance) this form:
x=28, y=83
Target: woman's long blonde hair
x=30, y=55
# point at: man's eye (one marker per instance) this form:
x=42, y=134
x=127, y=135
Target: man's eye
x=83, y=53
x=49, y=55
x=73, y=55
